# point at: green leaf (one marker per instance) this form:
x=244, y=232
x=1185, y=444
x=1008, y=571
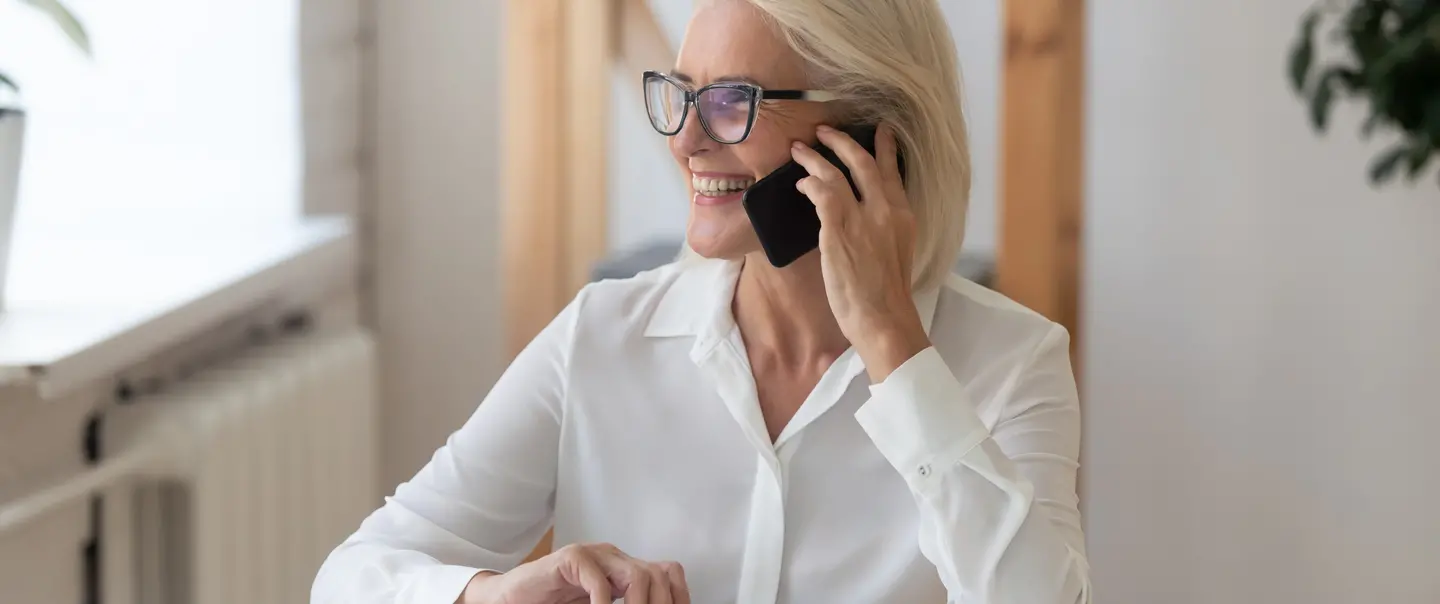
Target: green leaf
x=67, y=21
x=1348, y=77
x=1383, y=168
x=1371, y=122
x=1432, y=120
x=1398, y=52
x=1415, y=161
x=1410, y=8
x=6, y=82
x=1303, y=53
x=1320, y=103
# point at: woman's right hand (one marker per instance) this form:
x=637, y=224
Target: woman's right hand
x=596, y=573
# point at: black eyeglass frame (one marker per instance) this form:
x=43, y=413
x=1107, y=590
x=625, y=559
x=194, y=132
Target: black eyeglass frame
x=692, y=94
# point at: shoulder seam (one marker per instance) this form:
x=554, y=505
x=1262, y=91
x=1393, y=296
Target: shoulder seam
x=1055, y=331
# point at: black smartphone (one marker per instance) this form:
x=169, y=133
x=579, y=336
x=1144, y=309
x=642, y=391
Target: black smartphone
x=784, y=218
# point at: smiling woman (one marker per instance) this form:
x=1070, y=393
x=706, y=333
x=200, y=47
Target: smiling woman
x=855, y=426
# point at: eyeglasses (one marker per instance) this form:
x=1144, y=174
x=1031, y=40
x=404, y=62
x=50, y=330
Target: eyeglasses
x=726, y=109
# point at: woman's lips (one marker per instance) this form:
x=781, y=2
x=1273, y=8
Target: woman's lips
x=702, y=199
x=718, y=188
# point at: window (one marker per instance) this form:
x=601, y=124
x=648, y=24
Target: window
x=188, y=112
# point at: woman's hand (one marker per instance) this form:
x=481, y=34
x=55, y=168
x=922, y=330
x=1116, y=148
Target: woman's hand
x=595, y=573
x=867, y=248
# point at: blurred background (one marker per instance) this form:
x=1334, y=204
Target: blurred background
x=264, y=256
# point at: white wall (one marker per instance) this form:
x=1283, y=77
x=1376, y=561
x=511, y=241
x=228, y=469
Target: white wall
x=647, y=196
x=437, y=278
x=1262, y=346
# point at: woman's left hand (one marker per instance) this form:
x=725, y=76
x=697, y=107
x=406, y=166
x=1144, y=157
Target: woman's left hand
x=867, y=248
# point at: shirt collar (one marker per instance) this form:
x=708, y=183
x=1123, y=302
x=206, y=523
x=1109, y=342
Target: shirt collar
x=698, y=301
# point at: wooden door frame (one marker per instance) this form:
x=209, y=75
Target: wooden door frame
x=1042, y=145
x=560, y=56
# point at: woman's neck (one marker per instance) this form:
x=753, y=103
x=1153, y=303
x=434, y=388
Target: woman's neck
x=783, y=313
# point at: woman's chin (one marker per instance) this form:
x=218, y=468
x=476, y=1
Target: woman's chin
x=721, y=241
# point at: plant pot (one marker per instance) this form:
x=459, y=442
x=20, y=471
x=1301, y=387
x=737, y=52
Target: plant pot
x=12, y=135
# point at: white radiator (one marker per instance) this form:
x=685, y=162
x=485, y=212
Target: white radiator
x=249, y=473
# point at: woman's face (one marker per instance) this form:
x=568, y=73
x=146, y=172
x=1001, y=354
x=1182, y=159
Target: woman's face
x=729, y=40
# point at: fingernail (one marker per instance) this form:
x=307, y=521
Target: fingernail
x=797, y=145
x=825, y=128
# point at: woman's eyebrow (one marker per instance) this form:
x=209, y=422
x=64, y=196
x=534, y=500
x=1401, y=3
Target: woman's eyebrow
x=682, y=76
x=738, y=78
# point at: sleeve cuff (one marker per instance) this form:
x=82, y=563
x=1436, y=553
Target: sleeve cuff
x=442, y=584
x=918, y=418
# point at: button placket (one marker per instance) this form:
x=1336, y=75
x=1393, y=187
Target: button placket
x=765, y=536
x=759, y=580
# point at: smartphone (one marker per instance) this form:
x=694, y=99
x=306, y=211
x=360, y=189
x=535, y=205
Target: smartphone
x=784, y=218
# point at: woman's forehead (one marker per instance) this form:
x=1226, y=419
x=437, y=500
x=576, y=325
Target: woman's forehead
x=731, y=39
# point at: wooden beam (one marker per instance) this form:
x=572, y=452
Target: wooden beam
x=590, y=37
x=643, y=43
x=560, y=56
x=1042, y=146
x=533, y=181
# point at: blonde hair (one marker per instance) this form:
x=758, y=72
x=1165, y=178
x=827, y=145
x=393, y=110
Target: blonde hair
x=894, y=61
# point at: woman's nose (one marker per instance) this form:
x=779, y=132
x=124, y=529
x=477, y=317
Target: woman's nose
x=691, y=140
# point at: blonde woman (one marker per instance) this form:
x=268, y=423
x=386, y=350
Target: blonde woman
x=856, y=427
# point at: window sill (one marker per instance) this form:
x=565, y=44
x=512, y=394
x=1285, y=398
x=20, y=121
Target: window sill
x=87, y=301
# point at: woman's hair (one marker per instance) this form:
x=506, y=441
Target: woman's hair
x=894, y=61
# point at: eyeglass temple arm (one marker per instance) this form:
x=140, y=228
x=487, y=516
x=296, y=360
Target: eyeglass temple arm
x=798, y=95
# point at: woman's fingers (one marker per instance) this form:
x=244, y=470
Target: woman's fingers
x=602, y=570
x=826, y=185
x=829, y=203
x=887, y=152
x=679, y=590
x=592, y=578
x=862, y=165
x=638, y=592
x=815, y=164
x=659, y=585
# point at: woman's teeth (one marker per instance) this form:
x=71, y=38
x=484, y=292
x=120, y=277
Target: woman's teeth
x=717, y=187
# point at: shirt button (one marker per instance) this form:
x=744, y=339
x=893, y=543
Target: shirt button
x=925, y=469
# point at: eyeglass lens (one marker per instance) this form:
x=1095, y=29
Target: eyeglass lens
x=725, y=111
x=666, y=104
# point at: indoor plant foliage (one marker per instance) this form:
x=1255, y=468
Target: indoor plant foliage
x=1393, y=63
x=67, y=22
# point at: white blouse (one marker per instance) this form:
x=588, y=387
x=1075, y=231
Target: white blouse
x=632, y=419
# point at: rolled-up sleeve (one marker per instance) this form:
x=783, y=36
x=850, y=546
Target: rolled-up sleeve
x=999, y=513
x=483, y=501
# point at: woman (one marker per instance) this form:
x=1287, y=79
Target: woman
x=855, y=427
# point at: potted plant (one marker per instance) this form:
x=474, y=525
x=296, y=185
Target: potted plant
x=12, y=127
x=1393, y=63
